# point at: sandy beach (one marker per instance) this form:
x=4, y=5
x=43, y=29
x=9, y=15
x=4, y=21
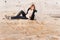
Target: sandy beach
x=48, y=28
x=45, y=27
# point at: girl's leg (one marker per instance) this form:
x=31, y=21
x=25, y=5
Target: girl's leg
x=20, y=17
x=21, y=12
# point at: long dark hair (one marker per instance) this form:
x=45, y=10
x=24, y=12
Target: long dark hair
x=32, y=6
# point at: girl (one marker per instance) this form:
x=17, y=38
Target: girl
x=30, y=14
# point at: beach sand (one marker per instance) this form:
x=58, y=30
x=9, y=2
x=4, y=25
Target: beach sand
x=47, y=28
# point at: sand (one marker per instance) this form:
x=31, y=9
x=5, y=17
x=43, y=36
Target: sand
x=47, y=28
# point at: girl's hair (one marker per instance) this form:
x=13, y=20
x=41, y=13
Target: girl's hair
x=32, y=6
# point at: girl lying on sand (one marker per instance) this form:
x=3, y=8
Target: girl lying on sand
x=30, y=14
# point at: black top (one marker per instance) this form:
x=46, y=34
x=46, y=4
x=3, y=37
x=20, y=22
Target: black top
x=33, y=13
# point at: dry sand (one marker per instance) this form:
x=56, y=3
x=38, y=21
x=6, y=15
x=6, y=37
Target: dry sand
x=44, y=28
x=47, y=28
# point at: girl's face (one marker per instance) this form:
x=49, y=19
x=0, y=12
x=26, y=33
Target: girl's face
x=32, y=8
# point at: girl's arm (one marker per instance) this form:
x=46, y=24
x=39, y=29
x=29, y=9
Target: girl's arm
x=35, y=10
x=27, y=11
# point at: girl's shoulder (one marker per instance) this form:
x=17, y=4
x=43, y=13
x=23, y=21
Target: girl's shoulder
x=35, y=10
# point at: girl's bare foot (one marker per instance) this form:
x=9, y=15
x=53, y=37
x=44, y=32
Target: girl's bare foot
x=7, y=17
